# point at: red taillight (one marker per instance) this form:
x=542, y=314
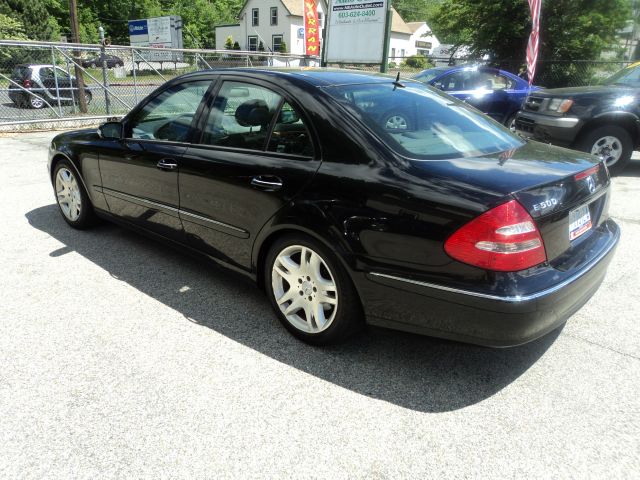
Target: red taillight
x=503, y=239
x=586, y=173
x=26, y=83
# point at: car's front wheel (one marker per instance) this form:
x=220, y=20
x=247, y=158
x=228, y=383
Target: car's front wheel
x=310, y=291
x=72, y=199
x=611, y=143
x=36, y=102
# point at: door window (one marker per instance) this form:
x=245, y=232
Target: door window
x=475, y=80
x=168, y=115
x=290, y=135
x=241, y=116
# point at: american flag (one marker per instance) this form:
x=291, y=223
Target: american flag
x=534, y=39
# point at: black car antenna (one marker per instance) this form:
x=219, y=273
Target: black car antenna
x=397, y=83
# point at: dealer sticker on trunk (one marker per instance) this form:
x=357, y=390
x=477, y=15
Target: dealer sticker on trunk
x=579, y=221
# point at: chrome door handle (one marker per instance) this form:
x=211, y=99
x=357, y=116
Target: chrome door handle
x=267, y=183
x=167, y=164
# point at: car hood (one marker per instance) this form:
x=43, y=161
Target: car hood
x=508, y=172
x=593, y=90
x=84, y=135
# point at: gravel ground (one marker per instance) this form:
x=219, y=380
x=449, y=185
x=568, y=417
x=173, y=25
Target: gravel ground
x=121, y=358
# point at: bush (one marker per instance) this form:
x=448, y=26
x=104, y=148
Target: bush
x=417, y=61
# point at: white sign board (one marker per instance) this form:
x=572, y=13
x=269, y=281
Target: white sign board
x=155, y=32
x=355, y=31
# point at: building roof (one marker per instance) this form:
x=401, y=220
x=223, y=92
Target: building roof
x=413, y=26
x=398, y=25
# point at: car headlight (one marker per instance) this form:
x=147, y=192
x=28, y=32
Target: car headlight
x=560, y=105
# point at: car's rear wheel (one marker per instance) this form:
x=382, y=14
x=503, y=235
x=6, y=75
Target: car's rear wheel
x=35, y=102
x=611, y=143
x=310, y=291
x=93, y=65
x=72, y=199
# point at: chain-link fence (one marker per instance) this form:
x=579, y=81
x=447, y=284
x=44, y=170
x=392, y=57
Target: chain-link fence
x=41, y=82
x=44, y=82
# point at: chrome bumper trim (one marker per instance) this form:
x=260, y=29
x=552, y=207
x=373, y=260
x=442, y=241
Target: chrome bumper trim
x=516, y=298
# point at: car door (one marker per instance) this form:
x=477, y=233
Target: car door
x=140, y=172
x=256, y=152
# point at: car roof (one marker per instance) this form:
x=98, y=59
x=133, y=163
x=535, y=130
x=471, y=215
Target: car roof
x=312, y=75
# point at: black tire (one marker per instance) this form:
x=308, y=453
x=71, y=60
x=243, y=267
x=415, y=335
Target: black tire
x=510, y=123
x=588, y=140
x=348, y=317
x=88, y=97
x=87, y=217
x=93, y=65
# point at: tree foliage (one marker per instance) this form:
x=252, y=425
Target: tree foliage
x=569, y=29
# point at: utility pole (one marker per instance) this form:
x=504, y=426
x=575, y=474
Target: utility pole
x=105, y=77
x=75, y=33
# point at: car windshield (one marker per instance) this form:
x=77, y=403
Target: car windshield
x=629, y=76
x=428, y=75
x=419, y=122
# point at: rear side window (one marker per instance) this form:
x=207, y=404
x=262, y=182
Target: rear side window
x=419, y=122
x=290, y=135
x=169, y=114
x=21, y=72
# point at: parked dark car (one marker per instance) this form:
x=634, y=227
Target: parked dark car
x=39, y=86
x=603, y=120
x=96, y=61
x=497, y=93
x=455, y=227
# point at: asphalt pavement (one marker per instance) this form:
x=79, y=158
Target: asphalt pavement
x=123, y=358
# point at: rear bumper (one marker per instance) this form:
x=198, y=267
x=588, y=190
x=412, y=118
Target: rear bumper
x=545, y=128
x=479, y=317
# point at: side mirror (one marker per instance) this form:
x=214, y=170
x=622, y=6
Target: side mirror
x=111, y=131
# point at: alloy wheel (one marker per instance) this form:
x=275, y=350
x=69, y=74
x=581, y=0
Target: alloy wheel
x=68, y=194
x=36, y=102
x=396, y=122
x=608, y=148
x=304, y=289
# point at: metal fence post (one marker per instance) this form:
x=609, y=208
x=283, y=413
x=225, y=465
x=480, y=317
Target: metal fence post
x=55, y=78
x=105, y=78
x=133, y=70
x=73, y=97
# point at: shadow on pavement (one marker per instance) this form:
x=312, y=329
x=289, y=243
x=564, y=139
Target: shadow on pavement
x=411, y=371
x=632, y=170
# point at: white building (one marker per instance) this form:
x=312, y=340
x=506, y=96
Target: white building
x=274, y=21
x=270, y=22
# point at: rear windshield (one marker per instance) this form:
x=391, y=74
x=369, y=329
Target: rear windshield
x=428, y=75
x=419, y=122
x=629, y=76
x=21, y=72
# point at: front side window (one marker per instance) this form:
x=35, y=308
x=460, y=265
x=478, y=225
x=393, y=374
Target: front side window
x=241, y=116
x=274, y=15
x=255, y=17
x=420, y=123
x=168, y=115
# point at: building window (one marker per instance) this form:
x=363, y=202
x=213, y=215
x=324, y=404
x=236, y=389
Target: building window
x=255, y=17
x=253, y=43
x=402, y=53
x=277, y=42
x=421, y=44
x=274, y=15
x=393, y=53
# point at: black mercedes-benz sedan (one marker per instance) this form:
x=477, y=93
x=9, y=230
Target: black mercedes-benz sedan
x=352, y=198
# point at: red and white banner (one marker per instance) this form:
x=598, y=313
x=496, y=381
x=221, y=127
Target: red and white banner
x=534, y=39
x=311, y=28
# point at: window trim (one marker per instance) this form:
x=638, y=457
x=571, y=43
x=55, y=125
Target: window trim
x=249, y=38
x=286, y=98
x=271, y=16
x=255, y=17
x=273, y=37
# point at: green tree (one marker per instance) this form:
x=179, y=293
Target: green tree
x=570, y=29
x=229, y=43
x=283, y=47
x=33, y=16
